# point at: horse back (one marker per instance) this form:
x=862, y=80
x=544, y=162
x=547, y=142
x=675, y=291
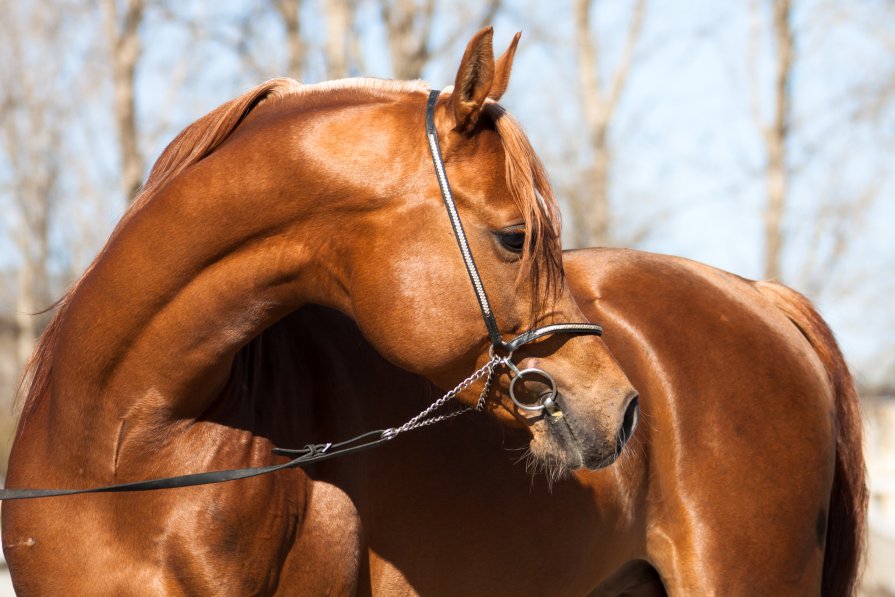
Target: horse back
x=739, y=434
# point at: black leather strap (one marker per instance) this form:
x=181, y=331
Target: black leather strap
x=307, y=455
x=456, y=224
x=463, y=243
x=556, y=328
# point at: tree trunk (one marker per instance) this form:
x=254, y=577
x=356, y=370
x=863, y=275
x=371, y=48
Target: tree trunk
x=593, y=223
x=339, y=19
x=598, y=102
x=598, y=182
x=408, y=30
x=33, y=121
x=26, y=326
x=290, y=12
x=776, y=140
x=123, y=34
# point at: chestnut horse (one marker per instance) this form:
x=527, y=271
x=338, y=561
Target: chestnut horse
x=746, y=478
x=182, y=350
x=285, y=196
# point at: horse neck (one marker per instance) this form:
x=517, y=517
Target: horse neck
x=151, y=331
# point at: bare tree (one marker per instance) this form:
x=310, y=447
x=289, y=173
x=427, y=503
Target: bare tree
x=408, y=24
x=776, y=133
x=846, y=202
x=837, y=223
x=339, y=17
x=409, y=28
x=337, y=49
x=123, y=38
x=32, y=118
x=590, y=201
x=290, y=13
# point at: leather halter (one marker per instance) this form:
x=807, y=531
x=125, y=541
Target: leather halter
x=318, y=452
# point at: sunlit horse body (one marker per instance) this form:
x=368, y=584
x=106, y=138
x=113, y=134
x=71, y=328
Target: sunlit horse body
x=285, y=196
x=746, y=477
x=177, y=353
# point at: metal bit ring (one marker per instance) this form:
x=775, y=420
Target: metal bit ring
x=545, y=398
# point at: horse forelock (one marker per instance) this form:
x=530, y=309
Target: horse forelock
x=530, y=188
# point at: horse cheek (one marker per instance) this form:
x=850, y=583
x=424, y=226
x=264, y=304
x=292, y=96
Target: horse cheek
x=418, y=312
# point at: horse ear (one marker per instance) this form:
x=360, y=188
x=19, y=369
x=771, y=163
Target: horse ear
x=474, y=79
x=502, y=70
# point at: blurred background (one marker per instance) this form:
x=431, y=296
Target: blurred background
x=757, y=136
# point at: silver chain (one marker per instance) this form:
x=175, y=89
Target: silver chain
x=480, y=404
x=424, y=419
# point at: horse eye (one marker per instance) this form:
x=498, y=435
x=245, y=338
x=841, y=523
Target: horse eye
x=512, y=240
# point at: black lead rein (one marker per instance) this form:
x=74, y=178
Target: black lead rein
x=307, y=455
x=319, y=452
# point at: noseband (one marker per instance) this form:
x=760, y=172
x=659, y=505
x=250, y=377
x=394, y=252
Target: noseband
x=318, y=452
x=547, y=401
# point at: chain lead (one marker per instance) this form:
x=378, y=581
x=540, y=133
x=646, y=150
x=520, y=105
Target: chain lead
x=424, y=419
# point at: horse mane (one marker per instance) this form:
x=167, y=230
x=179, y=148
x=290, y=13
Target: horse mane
x=525, y=177
x=194, y=143
x=530, y=187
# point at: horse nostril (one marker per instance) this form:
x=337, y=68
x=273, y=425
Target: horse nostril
x=629, y=422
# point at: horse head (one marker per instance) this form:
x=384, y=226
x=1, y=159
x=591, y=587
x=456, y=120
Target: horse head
x=410, y=292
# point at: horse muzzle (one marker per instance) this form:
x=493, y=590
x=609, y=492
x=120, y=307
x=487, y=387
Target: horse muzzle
x=562, y=436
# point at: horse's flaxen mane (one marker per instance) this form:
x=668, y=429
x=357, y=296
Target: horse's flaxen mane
x=367, y=85
x=525, y=176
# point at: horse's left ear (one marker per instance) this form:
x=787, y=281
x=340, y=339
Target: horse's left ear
x=474, y=79
x=502, y=70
